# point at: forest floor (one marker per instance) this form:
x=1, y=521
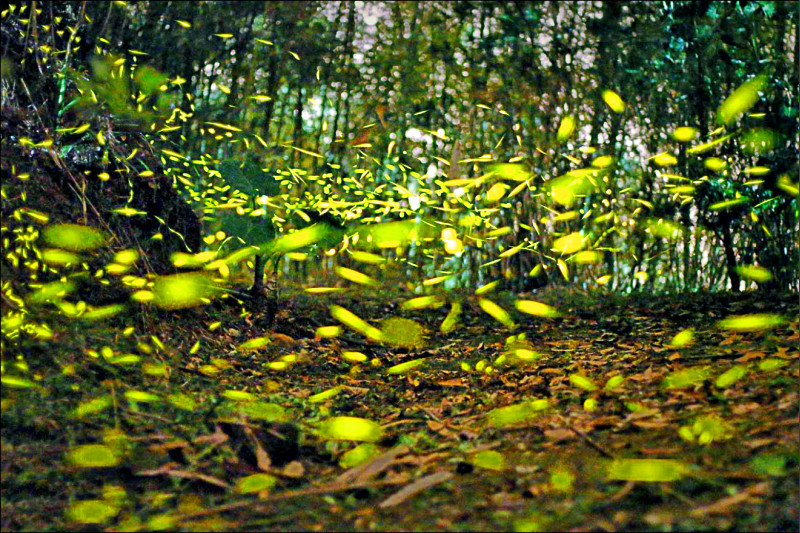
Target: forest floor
x=712, y=454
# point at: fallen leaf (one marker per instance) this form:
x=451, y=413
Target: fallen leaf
x=660, y=451
x=559, y=434
x=414, y=488
x=218, y=437
x=758, y=443
x=749, y=356
x=294, y=469
x=279, y=339
x=452, y=383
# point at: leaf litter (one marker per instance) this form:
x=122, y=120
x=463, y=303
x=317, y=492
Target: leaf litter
x=612, y=409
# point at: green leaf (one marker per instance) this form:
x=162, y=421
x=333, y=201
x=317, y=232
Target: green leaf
x=402, y=332
x=359, y=455
x=251, y=230
x=772, y=364
x=254, y=344
x=731, y=376
x=182, y=401
x=141, y=396
x=682, y=338
x=646, y=470
x=516, y=413
x=93, y=456
x=92, y=511
x=325, y=395
x=582, y=382
x=15, y=382
x=614, y=382
x=350, y=428
x=404, y=368
x=685, y=378
x=269, y=412
x=255, y=483
x=769, y=464
x=239, y=395
x=96, y=405
x=562, y=480
x=125, y=359
x=490, y=460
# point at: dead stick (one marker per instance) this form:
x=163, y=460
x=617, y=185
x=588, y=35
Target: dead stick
x=262, y=505
x=586, y=438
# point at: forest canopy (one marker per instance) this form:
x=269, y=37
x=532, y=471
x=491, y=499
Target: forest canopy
x=633, y=146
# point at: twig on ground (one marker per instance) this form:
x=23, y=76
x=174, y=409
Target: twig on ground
x=586, y=438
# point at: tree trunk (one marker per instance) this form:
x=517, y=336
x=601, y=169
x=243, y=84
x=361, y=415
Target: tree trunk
x=730, y=255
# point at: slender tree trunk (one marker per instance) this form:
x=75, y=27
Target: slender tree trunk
x=730, y=256
x=297, y=134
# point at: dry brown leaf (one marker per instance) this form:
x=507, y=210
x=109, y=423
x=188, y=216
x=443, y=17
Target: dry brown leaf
x=263, y=460
x=435, y=426
x=218, y=437
x=758, y=443
x=604, y=421
x=551, y=371
x=660, y=451
x=559, y=434
x=749, y=356
x=414, y=488
x=649, y=424
x=167, y=446
x=746, y=408
x=452, y=383
x=294, y=470
x=279, y=339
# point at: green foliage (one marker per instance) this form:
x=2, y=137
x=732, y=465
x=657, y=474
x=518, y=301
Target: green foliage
x=130, y=94
x=248, y=178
